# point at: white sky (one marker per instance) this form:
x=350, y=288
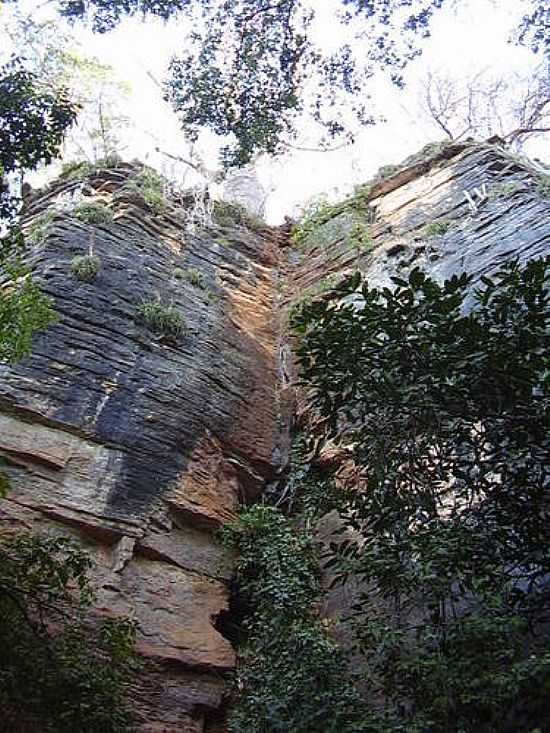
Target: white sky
x=465, y=41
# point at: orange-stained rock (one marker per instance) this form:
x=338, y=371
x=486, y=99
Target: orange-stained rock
x=140, y=446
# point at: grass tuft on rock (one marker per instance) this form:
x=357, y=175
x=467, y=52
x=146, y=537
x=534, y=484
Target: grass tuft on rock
x=150, y=186
x=543, y=186
x=86, y=267
x=92, y=212
x=436, y=228
x=39, y=228
x=162, y=319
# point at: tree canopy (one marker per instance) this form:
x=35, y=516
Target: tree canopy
x=33, y=120
x=253, y=67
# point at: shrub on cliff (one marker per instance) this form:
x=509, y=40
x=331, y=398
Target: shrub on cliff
x=59, y=670
x=86, y=267
x=150, y=186
x=93, y=212
x=161, y=318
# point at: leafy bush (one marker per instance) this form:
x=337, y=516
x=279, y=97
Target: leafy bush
x=291, y=675
x=162, y=319
x=39, y=227
x=436, y=228
x=444, y=411
x=150, y=186
x=23, y=311
x=60, y=671
x=92, y=212
x=86, y=267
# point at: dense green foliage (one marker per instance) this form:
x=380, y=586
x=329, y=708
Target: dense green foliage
x=23, y=311
x=291, y=673
x=33, y=119
x=441, y=400
x=59, y=671
x=242, y=72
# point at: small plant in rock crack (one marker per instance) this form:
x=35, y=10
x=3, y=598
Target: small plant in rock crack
x=92, y=212
x=86, y=267
x=40, y=227
x=162, y=319
x=504, y=189
x=196, y=278
x=436, y=228
x=360, y=238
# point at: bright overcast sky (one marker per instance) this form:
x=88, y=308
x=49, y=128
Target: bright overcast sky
x=468, y=40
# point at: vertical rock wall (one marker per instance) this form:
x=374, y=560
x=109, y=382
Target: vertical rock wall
x=488, y=201
x=141, y=446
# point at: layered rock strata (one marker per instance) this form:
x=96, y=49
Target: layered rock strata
x=486, y=204
x=142, y=445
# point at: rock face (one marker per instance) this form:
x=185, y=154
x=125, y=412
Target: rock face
x=487, y=203
x=142, y=445
x=243, y=187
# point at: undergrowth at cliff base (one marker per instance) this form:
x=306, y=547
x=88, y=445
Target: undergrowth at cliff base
x=59, y=670
x=291, y=673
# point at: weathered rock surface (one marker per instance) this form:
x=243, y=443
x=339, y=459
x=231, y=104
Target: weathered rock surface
x=509, y=217
x=140, y=445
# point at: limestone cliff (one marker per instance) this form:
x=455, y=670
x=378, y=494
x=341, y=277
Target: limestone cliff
x=141, y=446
